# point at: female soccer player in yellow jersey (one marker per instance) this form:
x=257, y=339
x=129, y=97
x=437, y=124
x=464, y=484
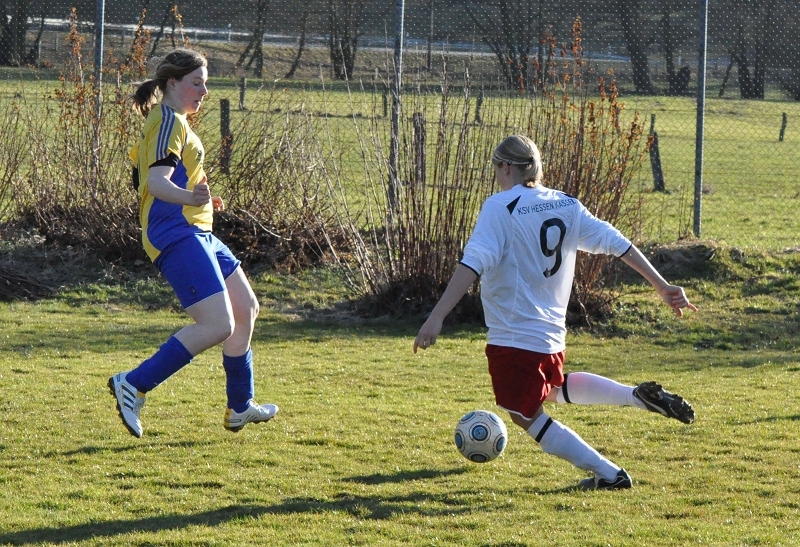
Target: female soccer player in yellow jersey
x=176, y=214
x=523, y=248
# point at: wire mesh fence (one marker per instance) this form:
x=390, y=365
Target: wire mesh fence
x=334, y=60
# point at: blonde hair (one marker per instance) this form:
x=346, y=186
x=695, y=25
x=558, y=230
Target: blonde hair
x=176, y=64
x=521, y=152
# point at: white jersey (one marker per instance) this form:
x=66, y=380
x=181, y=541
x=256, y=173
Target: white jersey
x=524, y=248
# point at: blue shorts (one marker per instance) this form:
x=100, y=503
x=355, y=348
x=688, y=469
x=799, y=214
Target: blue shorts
x=196, y=267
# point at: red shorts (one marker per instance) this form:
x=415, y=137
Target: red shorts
x=522, y=379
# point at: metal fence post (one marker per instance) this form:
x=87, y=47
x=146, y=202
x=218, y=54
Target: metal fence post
x=701, y=109
x=394, y=150
x=99, y=27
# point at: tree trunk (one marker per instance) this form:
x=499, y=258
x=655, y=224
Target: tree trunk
x=160, y=32
x=633, y=31
x=12, y=41
x=748, y=87
x=510, y=37
x=429, y=57
x=666, y=40
x=301, y=43
x=726, y=77
x=343, y=35
x=256, y=42
x=33, y=54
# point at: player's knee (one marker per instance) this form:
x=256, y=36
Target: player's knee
x=524, y=423
x=222, y=328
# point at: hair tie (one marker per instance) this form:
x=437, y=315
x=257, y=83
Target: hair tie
x=498, y=159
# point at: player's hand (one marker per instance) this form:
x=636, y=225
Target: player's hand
x=217, y=203
x=428, y=334
x=676, y=299
x=201, y=193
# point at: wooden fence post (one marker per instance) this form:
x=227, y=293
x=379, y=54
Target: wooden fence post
x=655, y=157
x=242, y=89
x=419, y=149
x=226, y=147
x=783, y=127
x=478, y=105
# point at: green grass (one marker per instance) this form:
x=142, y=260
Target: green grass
x=361, y=452
x=750, y=196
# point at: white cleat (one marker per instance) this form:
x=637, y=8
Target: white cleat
x=129, y=402
x=255, y=413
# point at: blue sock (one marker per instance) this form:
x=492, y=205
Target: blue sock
x=169, y=359
x=240, y=386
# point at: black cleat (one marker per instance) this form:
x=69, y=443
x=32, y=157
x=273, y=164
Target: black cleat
x=657, y=399
x=621, y=481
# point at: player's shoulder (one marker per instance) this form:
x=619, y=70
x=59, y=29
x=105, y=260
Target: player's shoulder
x=163, y=117
x=552, y=193
x=500, y=202
x=522, y=200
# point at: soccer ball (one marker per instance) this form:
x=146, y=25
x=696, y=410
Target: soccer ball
x=481, y=436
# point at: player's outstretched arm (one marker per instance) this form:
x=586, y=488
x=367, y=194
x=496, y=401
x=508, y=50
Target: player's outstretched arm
x=673, y=295
x=459, y=284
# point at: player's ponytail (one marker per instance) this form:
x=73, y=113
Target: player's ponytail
x=145, y=96
x=521, y=152
x=176, y=64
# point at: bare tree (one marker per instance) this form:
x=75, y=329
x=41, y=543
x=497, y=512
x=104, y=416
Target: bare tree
x=12, y=33
x=160, y=32
x=344, y=19
x=256, y=41
x=301, y=42
x=507, y=27
x=630, y=16
x=754, y=32
x=673, y=33
x=33, y=54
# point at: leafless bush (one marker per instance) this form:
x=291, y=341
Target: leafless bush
x=271, y=186
x=401, y=255
x=591, y=152
x=14, y=149
x=75, y=191
x=292, y=201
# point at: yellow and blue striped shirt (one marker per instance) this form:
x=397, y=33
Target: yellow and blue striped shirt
x=167, y=134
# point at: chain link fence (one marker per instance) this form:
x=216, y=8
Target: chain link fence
x=337, y=59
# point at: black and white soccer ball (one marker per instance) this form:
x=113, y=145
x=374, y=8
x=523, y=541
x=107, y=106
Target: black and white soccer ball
x=481, y=436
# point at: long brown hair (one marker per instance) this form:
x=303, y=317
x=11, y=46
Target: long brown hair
x=176, y=64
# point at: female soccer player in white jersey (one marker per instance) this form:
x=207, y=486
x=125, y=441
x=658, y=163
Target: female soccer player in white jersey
x=176, y=214
x=523, y=248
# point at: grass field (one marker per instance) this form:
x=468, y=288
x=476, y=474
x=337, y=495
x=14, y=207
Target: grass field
x=361, y=452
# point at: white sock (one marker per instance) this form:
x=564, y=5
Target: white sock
x=584, y=388
x=558, y=440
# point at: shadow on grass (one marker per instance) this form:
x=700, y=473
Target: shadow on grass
x=788, y=418
x=91, y=450
x=137, y=336
x=381, y=478
x=360, y=506
x=98, y=530
x=365, y=507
